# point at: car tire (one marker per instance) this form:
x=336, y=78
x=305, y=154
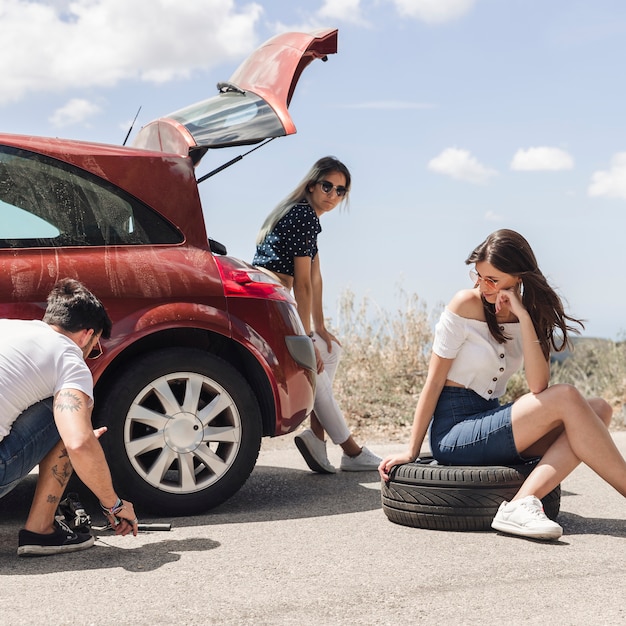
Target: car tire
x=443, y=497
x=184, y=431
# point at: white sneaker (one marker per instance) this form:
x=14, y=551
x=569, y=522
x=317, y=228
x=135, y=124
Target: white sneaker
x=367, y=461
x=314, y=452
x=525, y=517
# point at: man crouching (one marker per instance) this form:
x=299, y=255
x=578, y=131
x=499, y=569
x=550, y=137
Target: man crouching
x=46, y=400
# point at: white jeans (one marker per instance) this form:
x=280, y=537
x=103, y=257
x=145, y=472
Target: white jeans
x=325, y=407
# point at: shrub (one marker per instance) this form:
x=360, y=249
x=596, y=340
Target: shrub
x=384, y=364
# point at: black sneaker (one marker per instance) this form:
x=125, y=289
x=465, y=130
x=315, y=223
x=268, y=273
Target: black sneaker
x=72, y=512
x=63, y=539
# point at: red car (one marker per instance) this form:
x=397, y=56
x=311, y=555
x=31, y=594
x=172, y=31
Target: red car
x=207, y=353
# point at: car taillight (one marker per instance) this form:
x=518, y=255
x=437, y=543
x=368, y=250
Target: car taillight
x=248, y=282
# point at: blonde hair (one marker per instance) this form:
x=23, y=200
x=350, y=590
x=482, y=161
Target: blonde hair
x=320, y=169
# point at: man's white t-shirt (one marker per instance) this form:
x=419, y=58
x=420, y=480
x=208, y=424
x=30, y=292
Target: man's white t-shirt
x=35, y=363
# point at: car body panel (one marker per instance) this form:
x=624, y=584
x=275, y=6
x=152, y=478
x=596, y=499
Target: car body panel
x=135, y=284
x=234, y=117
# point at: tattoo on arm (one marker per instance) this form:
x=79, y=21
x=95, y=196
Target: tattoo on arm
x=53, y=499
x=67, y=400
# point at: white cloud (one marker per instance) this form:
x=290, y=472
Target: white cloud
x=344, y=10
x=433, y=11
x=331, y=11
x=75, y=111
x=461, y=165
x=84, y=43
x=610, y=183
x=542, y=158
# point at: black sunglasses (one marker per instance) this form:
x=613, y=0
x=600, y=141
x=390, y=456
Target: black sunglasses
x=327, y=187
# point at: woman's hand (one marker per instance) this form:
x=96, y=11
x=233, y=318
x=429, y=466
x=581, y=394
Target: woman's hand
x=318, y=359
x=327, y=337
x=510, y=298
x=387, y=464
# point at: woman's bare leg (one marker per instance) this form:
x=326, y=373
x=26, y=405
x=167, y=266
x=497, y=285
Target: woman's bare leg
x=584, y=437
x=316, y=427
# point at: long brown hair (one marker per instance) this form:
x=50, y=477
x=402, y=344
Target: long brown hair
x=511, y=254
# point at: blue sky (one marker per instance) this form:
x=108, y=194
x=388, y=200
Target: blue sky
x=456, y=118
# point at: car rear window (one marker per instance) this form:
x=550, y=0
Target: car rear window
x=48, y=203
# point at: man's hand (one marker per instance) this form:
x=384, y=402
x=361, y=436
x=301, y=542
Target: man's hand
x=124, y=520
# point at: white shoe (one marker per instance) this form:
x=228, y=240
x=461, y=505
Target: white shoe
x=367, y=461
x=314, y=452
x=525, y=517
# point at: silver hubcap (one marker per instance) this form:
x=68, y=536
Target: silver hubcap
x=182, y=432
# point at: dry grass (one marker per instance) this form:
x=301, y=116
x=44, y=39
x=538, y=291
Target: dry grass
x=386, y=356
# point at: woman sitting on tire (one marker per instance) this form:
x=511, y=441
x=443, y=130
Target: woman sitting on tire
x=512, y=315
x=287, y=247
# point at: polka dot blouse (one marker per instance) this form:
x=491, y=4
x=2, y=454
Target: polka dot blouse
x=294, y=235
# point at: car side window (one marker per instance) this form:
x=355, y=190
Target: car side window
x=48, y=203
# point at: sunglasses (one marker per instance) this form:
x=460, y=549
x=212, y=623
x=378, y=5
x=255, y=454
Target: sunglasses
x=96, y=351
x=476, y=278
x=490, y=283
x=327, y=187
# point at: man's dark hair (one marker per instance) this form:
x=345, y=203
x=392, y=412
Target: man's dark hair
x=72, y=307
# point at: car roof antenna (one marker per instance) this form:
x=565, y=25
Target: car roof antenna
x=130, y=130
x=233, y=161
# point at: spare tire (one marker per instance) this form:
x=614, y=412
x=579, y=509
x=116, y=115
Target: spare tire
x=424, y=494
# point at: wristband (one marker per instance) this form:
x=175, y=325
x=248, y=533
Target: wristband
x=116, y=508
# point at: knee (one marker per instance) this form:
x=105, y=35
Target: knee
x=565, y=395
x=602, y=409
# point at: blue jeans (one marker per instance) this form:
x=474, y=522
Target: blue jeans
x=469, y=430
x=33, y=435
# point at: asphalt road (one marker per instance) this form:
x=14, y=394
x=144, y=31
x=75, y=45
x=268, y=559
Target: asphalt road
x=297, y=548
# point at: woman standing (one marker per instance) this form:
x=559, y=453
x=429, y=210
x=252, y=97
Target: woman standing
x=287, y=247
x=512, y=315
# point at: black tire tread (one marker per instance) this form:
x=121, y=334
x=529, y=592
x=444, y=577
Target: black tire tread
x=439, y=497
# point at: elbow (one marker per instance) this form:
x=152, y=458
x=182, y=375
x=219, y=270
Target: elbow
x=302, y=290
x=302, y=295
x=77, y=444
x=537, y=387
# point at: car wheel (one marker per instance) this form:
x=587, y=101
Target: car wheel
x=184, y=431
x=444, y=497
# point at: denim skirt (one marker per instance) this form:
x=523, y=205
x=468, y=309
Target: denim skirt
x=469, y=430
